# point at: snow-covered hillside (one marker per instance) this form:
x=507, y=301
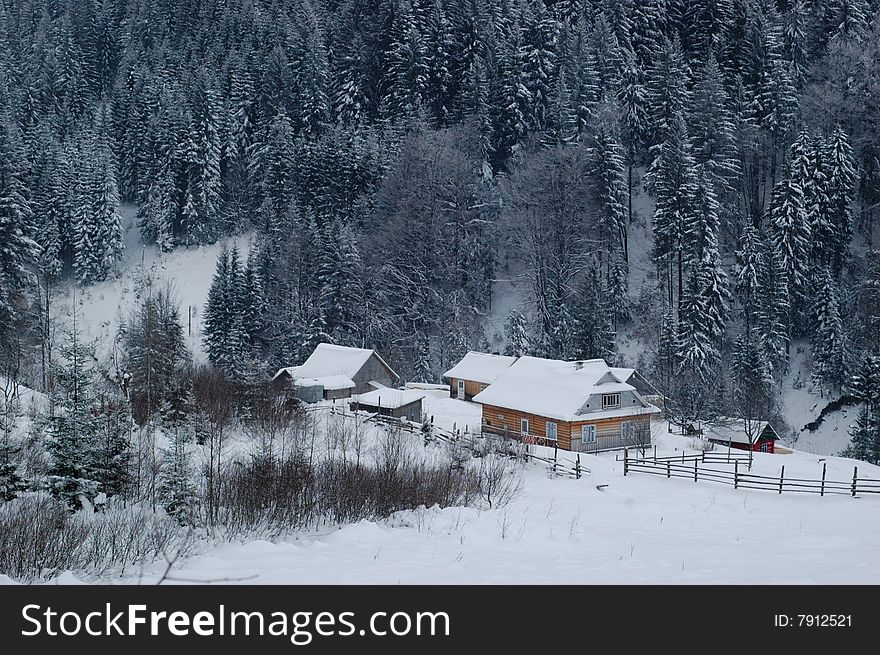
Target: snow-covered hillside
x=602, y=528
x=102, y=306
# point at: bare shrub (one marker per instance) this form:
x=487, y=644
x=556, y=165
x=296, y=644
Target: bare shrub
x=40, y=538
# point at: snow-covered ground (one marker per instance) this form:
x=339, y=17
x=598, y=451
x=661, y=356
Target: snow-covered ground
x=602, y=528
x=101, y=307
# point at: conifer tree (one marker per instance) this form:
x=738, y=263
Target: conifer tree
x=593, y=331
x=516, y=332
x=827, y=339
x=791, y=235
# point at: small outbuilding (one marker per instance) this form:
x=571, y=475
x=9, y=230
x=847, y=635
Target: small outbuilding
x=733, y=433
x=328, y=387
x=340, y=370
x=399, y=403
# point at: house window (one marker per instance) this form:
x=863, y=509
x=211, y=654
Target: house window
x=461, y=389
x=524, y=426
x=588, y=434
x=610, y=400
x=628, y=430
x=765, y=447
x=551, y=431
x=482, y=387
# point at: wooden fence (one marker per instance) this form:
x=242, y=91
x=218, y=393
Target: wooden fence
x=469, y=440
x=688, y=467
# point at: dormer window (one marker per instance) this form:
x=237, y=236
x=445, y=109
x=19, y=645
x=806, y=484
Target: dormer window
x=610, y=400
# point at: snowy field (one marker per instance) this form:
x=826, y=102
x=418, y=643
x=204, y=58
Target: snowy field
x=101, y=307
x=603, y=528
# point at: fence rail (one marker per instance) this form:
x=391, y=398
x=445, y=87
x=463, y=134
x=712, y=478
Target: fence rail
x=470, y=440
x=688, y=467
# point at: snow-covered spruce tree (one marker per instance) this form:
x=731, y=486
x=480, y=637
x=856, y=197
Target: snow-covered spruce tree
x=408, y=62
x=97, y=228
x=223, y=336
x=608, y=172
x=633, y=103
x=440, y=36
x=423, y=368
x=791, y=236
x=309, y=70
x=18, y=250
x=749, y=257
x=155, y=351
x=177, y=491
x=203, y=152
x=841, y=186
x=672, y=181
x=667, y=93
x=592, y=335
x=252, y=307
x=827, y=336
x=697, y=352
x=865, y=433
x=271, y=172
x=516, y=331
x=72, y=430
x=537, y=61
x=665, y=358
x=340, y=275
x=772, y=315
x=712, y=130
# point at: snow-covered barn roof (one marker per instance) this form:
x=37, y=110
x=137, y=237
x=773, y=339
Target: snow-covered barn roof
x=389, y=398
x=329, y=382
x=480, y=367
x=330, y=360
x=557, y=389
x=734, y=431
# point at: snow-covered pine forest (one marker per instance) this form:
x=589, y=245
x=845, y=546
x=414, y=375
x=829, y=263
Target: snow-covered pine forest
x=686, y=186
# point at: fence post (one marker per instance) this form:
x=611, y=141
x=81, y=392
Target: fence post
x=625, y=461
x=855, y=478
x=822, y=488
x=668, y=469
x=704, y=457
x=736, y=474
x=696, y=468
x=577, y=468
x=655, y=452
x=781, y=477
x=750, y=459
x=682, y=455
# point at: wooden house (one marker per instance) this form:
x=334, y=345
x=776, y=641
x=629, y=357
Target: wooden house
x=581, y=405
x=340, y=371
x=474, y=373
x=733, y=433
x=399, y=403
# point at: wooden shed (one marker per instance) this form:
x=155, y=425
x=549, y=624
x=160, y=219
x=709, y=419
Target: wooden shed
x=329, y=387
x=399, y=403
x=332, y=365
x=733, y=433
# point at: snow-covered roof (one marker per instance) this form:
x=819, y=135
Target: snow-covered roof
x=480, y=367
x=329, y=360
x=623, y=374
x=557, y=389
x=329, y=382
x=734, y=431
x=389, y=398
